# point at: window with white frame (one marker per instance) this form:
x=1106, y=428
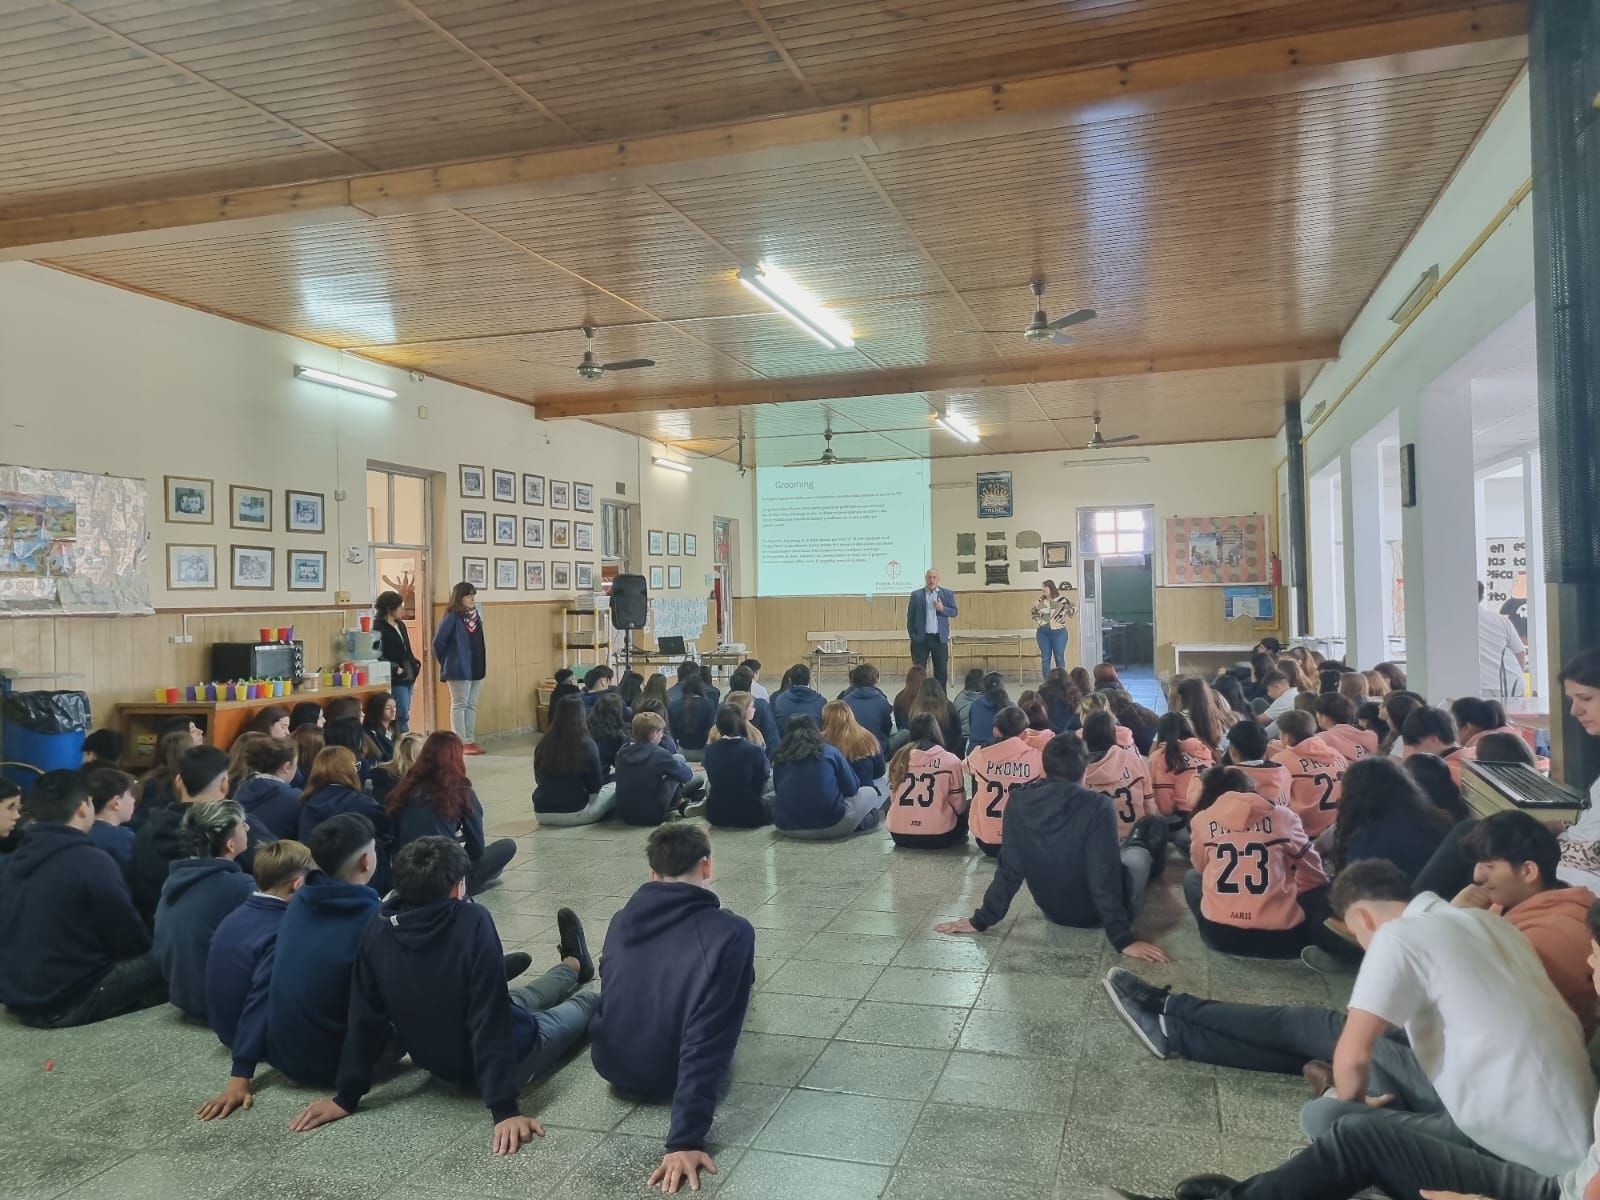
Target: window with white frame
x=1122, y=533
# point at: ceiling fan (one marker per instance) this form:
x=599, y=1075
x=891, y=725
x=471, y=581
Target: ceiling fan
x=590, y=369
x=828, y=458
x=1100, y=442
x=1041, y=328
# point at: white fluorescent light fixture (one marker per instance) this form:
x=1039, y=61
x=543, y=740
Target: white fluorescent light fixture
x=672, y=464
x=345, y=383
x=958, y=427
x=789, y=298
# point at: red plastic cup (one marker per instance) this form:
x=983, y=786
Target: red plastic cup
x=286, y=633
x=361, y=679
x=266, y=634
x=366, y=624
x=174, y=695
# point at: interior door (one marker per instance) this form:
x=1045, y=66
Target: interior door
x=398, y=527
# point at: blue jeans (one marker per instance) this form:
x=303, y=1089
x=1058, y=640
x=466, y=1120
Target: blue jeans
x=560, y=1012
x=1052, y=644
x=402, y=706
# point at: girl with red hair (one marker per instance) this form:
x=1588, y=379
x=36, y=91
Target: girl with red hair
x=435, y=799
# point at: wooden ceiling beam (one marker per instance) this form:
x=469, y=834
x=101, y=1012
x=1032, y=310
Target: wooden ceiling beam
x=900, y=381
x=1492, y=32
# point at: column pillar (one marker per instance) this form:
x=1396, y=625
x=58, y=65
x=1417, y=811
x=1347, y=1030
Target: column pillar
x=1361, y=468
x=1564, y=89
x=1538, y=619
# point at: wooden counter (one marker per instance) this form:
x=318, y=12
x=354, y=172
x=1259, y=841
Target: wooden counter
x=222, y=720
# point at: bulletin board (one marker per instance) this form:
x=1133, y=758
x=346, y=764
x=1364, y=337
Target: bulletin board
x=1208, y=551
x=71, y=542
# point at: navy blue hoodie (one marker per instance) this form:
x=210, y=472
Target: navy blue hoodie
x=692, y=721
x=873, y=712
x=198, y=893
x=237, y=947
x=648, y=779
x=65, y=919
x=161, y=842
x=436, y=976
x=299, y=1001
x=736, y=775
x=768, y=724
x=419, y=819
x=569, y=793
x=812, y=794
x=115, y=840
x=677, y=970
x=268, y=800
x=794, y=700
x=333, y=799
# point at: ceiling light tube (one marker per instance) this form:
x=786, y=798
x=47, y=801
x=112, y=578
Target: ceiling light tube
x=672, y=464
x=344, y=383
x=789, y=298
x=958, y=427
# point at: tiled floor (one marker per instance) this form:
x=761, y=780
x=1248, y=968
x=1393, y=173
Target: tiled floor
x=879, y=1058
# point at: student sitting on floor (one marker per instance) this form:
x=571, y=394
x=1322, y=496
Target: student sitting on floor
x=738, y=792
x=306, y=713
x=1474, y=1007
x=569, y=786
x=378, y=719
x=755, y=688
x=202, y=775
x=1257, y=887
x=597, y=682
x=1336, y=718
x=763, y=718
x=691, y=715
x=1280, y=699
x=238, y=768
x=74, y=946
x=816, y=794
x=860, y=747
x=158, y=787
x=334, y=788
x=996, y=769
x=1475, y=717
x=1060, y=699
x=111, y=791
x=928, y=800
x=1193, y=697
x=932, y=700
x=1247, y=750
x=1118, y=772
x=1139, y=721
x=1175, y=759
x=298, y=1002
x=1038, y=733
x=308, y=743
x=971, y=689
x=608, y=726
x=678, y=969
x=430, y=981
x=564, y=687
x=267, y=793
x=199, y=892
x=688, y=669
x=1433, y=731
x=797, y=698
x=983, y=710
x=102, y=748
x=1383, y=814
x=436, y=800
x=651, y=782
x=1316, y=772
x=350, y=735
x=248, y=932
x=871, y=707
x=1061, y=840
x=745, y=704
x=1100, y=702
x=406, y=748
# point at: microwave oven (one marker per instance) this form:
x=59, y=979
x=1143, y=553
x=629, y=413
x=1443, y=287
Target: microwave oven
x=257, y=660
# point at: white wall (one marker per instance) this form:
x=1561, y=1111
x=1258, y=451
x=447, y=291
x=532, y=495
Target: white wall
x=94, y=378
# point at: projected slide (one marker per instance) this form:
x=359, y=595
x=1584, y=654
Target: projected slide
x=849, y=529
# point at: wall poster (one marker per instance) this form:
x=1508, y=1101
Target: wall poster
x=1209, y=551
x=72, y=542
x=994, y=495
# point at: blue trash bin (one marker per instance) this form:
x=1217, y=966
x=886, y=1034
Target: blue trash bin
x=43, y=731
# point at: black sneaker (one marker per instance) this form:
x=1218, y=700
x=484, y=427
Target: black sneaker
x=1146, y=995
x=516, y=963
x=573, y=944
x=1203, y=1187
x=1126, y=1001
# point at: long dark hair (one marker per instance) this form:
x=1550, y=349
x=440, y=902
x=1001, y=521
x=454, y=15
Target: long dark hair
x=1130, y=712
x=605, y=719
x=906, y=696
x=655, y=688
x=1057, y=689
x=373, y=713
x=932, y=701
x=1397, y=706
x=388, y=604
x=1217, y=782
x=631, y=686
x=1230, y=690
x=1376, y=787
x=1193, y=698
x=994, y=690
x=458, y=594
x=1171, y=731
x=1430, y=773
x=802, y=741
x=438, y=779
x=696, y=719
x=164, y=772
x=564, y=748
x=1395, y=675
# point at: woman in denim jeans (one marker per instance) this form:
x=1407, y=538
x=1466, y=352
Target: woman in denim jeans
x=394, y=648
x=1051, y=612
x=459, y=646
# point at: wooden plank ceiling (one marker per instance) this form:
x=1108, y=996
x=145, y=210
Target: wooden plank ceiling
x=1224, y=181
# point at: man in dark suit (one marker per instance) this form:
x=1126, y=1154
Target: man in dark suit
x=928, y=623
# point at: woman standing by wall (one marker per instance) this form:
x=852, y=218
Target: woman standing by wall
x=463, y=661
x=394, y=648
x=1051, y=612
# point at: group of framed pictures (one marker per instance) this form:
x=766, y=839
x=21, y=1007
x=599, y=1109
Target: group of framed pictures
x=193, y=567
x=666, y=578
x=190, y=502
x=672, y=545
x=530, y=575
x=501, y=487
x=564, y=534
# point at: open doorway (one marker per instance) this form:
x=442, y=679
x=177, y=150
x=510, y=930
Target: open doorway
x=1118, y=609
x=399, y=551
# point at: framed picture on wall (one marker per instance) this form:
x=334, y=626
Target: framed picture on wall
x=583, y=497
x=691, y=545
x=560, y=534
x=505, y=487
x=657, y=542
x=308, y=570
x=561, y=576
x=505, y=529
x=674, y=577
x=1057, y=554
x=191, y=568
x=189, y=501
x=658, y=578
x=674, y=545
x=533, y=576
x=304, y=512
x=474, y=526
x=586, y=577
x=994, y=495
x=583, y=535
x=533, y=490
x=475, y=571
x=472, y=483
x=252, y=567
x=250, y=508
x=533, y=532
x=505, y=573
x=560, y=494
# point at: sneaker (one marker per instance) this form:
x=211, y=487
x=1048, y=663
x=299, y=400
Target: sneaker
x=1126, y=1002
x=1318, y=1076
x=1323, y=963
x=573, y=943
x=516, y=963
x=1203, y=1187
x=1146, y=995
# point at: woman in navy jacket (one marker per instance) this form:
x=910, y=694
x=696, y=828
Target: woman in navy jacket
x=737, y=795
x=816, y=793
x=463, y=661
